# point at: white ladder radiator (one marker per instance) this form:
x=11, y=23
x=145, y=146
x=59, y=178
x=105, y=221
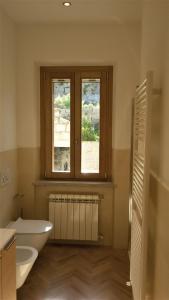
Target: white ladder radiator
x=74, y=216
x=140, y=186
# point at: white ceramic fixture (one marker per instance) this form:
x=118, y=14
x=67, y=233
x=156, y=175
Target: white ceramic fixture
x=33, y=233
x=25, y=258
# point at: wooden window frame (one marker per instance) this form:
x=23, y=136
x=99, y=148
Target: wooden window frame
x=76, y=74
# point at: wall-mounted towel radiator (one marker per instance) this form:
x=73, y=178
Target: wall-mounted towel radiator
x=75, y=216
x=140, y=186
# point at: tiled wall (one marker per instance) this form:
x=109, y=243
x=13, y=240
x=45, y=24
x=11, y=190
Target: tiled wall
x=8, y=147
x=158, y=246
x=114, y=209
x=8, y=203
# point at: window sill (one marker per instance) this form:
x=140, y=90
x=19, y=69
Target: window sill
x=76, y=183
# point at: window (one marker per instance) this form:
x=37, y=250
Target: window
x=76, y=123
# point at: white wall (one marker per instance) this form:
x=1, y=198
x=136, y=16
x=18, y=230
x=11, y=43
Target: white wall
x=63, y=45
x=76, y=45
x=153, y=39
x=155, y=56
x=7, y=84
x=164, y=170
x=8, y=151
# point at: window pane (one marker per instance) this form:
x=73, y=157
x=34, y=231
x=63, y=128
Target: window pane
x=61, y=125
x=90, y=126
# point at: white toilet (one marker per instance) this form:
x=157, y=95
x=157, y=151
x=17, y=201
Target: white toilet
x=32, y=233
x=31, y=236
x=25, y=258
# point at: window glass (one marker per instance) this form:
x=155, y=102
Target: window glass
x=61, y=125
x=90, y=125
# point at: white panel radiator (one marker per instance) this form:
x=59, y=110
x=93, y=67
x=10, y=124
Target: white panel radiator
x=74, y=216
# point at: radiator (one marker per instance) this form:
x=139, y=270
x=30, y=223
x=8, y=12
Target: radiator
x=140, y=186
x=74, y=216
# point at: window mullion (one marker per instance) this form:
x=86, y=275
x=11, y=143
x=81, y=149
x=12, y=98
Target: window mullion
x=73, y=122
x=78, y=124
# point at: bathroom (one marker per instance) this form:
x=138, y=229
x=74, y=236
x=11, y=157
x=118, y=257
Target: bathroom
x=127, y=37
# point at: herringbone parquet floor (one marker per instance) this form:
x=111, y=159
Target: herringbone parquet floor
x=78, y=273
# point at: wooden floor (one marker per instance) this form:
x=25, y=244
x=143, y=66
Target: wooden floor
x=78, y=273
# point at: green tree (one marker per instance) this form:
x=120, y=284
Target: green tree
x=63, y=102
x=88, y=131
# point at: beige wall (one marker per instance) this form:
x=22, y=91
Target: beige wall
x=8, y=152
x=121, y=174
x=106, y=207
x=158, y=240
x=8, y=204
x=155, y=56
x=114, y=208
x=153, y=39
x=76, y=45
x=115, y=45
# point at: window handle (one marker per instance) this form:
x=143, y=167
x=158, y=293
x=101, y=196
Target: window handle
x=76, y=141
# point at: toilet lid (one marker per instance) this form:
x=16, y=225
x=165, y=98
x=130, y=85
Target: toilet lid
x=31, y=226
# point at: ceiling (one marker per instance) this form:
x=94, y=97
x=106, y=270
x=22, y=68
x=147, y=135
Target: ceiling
x=52, y=11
